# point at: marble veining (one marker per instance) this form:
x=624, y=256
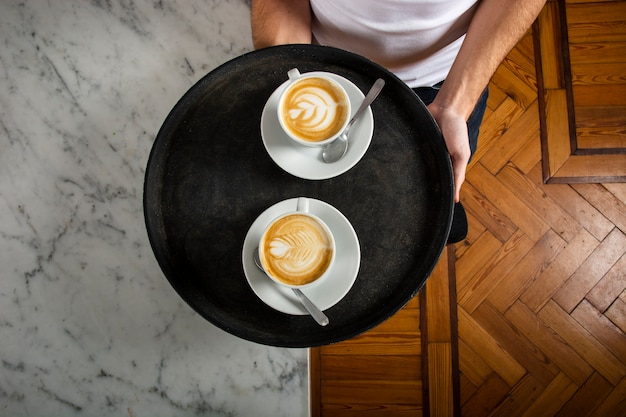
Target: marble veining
x=88, y=323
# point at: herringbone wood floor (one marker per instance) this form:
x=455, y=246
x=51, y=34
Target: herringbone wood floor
x=540, y=286
x=541, y=277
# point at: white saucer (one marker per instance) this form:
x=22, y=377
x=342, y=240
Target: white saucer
x=306, y=162
x=327, y=293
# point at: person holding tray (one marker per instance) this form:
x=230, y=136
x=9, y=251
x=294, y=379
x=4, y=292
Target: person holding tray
x=445, y=50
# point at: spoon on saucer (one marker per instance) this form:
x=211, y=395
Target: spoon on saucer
x=336, y=149
x=313, y=310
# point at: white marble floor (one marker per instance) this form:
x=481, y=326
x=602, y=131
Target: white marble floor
x=88, y=323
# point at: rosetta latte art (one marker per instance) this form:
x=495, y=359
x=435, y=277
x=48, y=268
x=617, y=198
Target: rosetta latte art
x=314, y=109
x=297, y=250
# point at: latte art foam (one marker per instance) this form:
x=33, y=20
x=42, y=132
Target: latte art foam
x=296, y=250
x=314, y=109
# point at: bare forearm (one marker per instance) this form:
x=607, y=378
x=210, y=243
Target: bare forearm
x=496, y=28
x=278, y=22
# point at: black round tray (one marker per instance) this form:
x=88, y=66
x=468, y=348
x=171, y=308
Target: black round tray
x=209, y=177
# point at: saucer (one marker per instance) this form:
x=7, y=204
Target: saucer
x=304, y=161
x=333, y=288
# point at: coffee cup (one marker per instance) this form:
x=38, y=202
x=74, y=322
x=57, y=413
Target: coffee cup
x=297, y=249
x=313, y=109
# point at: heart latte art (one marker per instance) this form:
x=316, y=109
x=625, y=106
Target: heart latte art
x=296, y=249
x=314, y=109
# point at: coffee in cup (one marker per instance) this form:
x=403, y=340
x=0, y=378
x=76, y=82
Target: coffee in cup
x=314, y=108
x=297, y=249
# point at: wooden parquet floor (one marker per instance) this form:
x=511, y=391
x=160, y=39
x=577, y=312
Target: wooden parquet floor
x=540, y=317
x=541, y=278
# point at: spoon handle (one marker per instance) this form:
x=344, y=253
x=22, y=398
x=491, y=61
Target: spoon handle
x=369, y=98
x=313, y=310
x=317, y=314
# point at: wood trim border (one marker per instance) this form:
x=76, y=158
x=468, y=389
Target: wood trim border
x=562, y=160
x=444, y=404
x=454, y=328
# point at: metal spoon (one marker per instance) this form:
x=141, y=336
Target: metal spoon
x=336, y=149
x=313, y=310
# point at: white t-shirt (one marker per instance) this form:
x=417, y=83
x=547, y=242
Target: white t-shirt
x=417, y=40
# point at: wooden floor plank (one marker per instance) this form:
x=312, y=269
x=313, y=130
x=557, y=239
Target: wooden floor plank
x=552, y=345
x=618, y=190
x=507, y=202
x=494, y=272
x=486, y=398
x=487, y=214
x=617, y=314
x=546, y=283
x=553, y=397
x=614, y=404
x=593, y=73
x=526, y=269
x=516, y=343
x=589, y=21
x=518, y=80
x=495, y=99
x=587, y=346
x=473, y=366
x=372, y=343
x=372, y=410
x=474, y=230
x=475, y=259
x=574, y=204
x=600, y=95
x=404, y=321
x=598, y=52
x=592, y=270
x=587, y=398
x=591, y=168
x=520, y=65
x=601, y=127
x=373, y=368
x=496, y=124
x=528, y=156
x=437, y=296
x=520, y=398
x=601, y=328
x=478, y=338
x=440, y=389
x=467, y=388
x=538, y=200
x=523, y=131
x=612, y=208
x=387, y=392
x=609, y=287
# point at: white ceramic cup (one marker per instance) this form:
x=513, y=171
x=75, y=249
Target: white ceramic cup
x=285, y=250
x=313, y=109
